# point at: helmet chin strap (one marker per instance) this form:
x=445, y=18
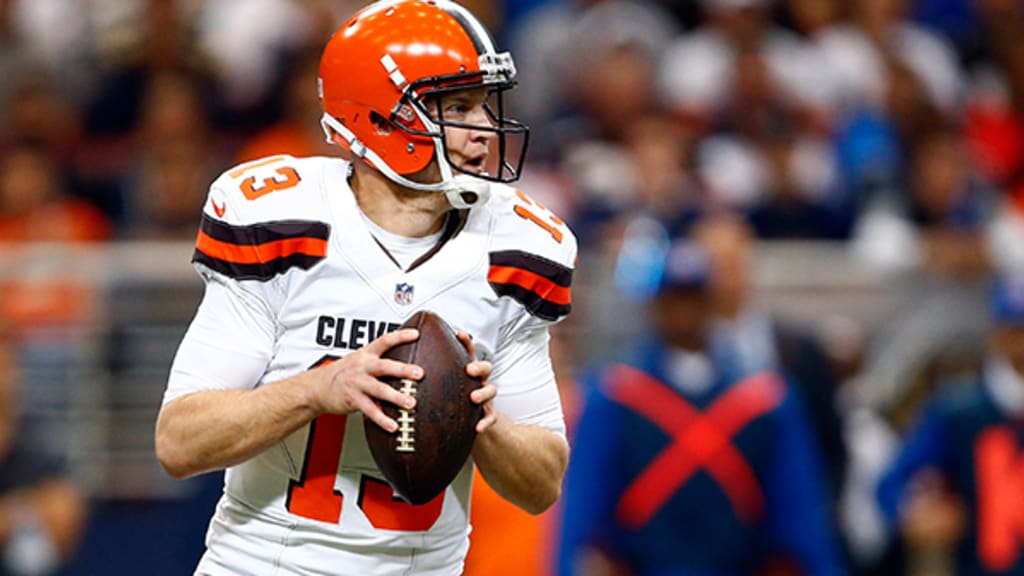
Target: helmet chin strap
x=463, y=191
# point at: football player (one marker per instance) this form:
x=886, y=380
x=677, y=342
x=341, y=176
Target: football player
x=310, y=264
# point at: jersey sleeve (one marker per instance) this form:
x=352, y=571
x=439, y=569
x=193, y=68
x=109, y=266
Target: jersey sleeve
x=532, y=260
x=527, y=389
x=531, y=263
x=262, y=219
x=229, y=343
x=259, y=222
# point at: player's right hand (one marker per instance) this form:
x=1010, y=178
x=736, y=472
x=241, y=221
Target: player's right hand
x=353, y=383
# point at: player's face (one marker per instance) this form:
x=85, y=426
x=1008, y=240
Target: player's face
x=468, y=149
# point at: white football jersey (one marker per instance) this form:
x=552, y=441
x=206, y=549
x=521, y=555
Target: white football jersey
x=295, y=278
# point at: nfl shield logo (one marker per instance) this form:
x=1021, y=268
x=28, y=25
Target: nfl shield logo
x=403, y=294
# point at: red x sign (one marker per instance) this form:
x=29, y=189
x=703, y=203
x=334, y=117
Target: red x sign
x=700, y=440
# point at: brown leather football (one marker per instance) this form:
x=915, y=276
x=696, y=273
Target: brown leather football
x=434, y=439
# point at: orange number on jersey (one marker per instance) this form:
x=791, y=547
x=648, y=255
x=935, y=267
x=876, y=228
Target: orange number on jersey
x=382, y=508
x=270, y=184
x=536, y=212
x=313, y=495
x=285, y=177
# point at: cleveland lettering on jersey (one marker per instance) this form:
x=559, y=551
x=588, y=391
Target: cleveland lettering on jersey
x=350, y=333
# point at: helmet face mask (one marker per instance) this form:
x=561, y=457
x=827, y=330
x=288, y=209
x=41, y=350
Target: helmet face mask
x=510, y=137
x=399, y=61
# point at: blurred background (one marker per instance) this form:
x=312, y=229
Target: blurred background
x=867, y=156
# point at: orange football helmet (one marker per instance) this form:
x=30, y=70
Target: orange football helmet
x=386, y=62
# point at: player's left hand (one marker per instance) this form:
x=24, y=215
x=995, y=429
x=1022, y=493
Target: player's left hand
x=480, y=369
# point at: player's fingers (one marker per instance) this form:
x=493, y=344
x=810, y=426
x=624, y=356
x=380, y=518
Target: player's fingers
x=372, y=410
x=467, y=341
x=392, y=339
x=488, y=419
x=386, y=393
x=479, y=369
x=395, y=369
x=484, y=394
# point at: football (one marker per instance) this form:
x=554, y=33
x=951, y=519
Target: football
x=433, y=439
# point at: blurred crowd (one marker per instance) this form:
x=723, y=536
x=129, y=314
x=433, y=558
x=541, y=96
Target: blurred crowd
x=892, y=128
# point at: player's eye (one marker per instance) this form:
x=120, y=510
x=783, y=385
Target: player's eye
x=456, y=110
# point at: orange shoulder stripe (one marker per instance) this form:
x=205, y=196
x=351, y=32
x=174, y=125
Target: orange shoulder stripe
x=260, y=253
x=527, y=280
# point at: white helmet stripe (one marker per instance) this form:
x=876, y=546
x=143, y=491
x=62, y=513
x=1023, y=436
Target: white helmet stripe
x=473, y=27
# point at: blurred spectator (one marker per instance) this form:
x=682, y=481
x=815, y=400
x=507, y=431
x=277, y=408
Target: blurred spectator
x=995, y=129
x=298, y=132
x=145, y=41
x=42, y=513
x=878, y=36
x=176, y=156
x=884, y=157
x=700, y=71
x=155, y=37
x=623, y=155
x=13, y=55
x=54, y=33
x=942, y=222
x=35, y=205
x=758, y=340
x=994, y=122
x=37, y=115
x=680, y=467
x=759, y=101
x=585, y=58
x=247, y=54
x=949, y=206
x=956, y=482
x=898, y=82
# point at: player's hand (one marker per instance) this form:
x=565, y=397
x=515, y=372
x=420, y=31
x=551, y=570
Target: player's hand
x=480, y=369
x=353, y=383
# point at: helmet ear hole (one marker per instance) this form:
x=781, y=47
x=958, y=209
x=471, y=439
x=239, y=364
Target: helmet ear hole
x=383, y=126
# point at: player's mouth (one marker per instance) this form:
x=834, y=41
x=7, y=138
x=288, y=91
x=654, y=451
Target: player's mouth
x=476, y=164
